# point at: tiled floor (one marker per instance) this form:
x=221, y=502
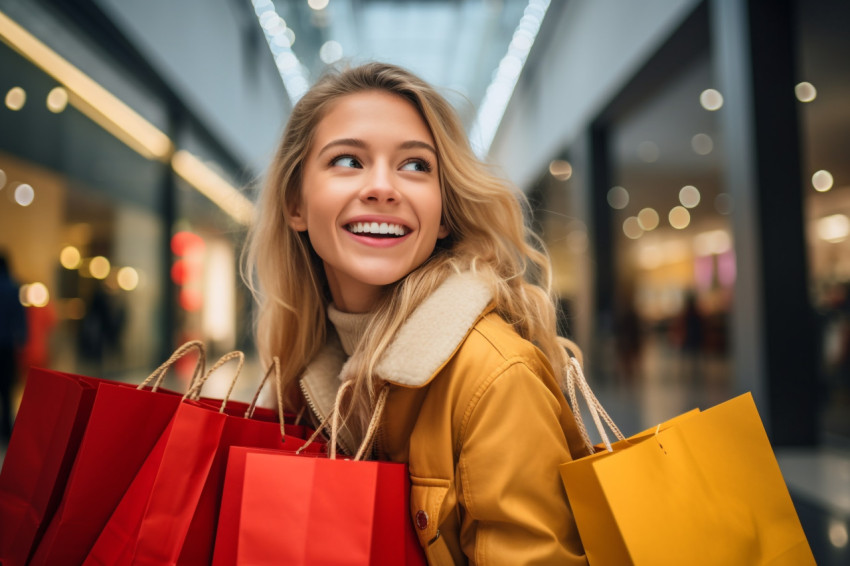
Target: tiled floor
x=819, y=482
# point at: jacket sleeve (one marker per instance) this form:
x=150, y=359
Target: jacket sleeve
x=514, y=507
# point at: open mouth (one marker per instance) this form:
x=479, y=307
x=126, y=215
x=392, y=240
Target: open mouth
x=377, y=229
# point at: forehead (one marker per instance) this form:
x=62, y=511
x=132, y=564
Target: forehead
x=371, y=113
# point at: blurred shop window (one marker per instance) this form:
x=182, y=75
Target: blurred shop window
x=672, y=241
x=822, y=93
x=206, y=246
x=80, y=215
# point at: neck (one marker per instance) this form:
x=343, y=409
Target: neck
x=352, y=296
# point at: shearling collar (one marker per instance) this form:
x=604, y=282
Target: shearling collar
x=423, y=344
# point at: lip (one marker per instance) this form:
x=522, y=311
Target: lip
x=377, y=242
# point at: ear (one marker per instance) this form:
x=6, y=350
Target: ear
x=296, y=219
x=443, y=231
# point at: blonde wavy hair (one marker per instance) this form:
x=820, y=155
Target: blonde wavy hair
x=488, y=235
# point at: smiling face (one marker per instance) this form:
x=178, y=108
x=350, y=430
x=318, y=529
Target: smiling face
x=370, y=195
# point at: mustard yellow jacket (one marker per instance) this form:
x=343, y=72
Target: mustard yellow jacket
x=477, y=414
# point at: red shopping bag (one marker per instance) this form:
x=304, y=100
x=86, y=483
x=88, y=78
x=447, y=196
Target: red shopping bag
x=168, y=514
x=288, y=508
x=283, y=508
x=246, y=430
x=124, y=424
x=49, y=425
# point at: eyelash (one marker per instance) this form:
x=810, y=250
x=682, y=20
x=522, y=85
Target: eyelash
x=422, y=161
x=426, y=164
x=336, y=158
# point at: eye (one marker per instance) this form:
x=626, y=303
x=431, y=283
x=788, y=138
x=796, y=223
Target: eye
x=346, y=161
x=420, y=165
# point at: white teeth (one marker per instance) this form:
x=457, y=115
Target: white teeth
x=376, y=228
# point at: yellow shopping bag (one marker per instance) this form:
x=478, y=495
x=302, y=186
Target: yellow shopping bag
x=702, y=489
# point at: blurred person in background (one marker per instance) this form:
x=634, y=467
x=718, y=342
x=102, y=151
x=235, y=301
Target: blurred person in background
x=13, y=335
x=691, y=337
x=36, y=351
x=628, y=336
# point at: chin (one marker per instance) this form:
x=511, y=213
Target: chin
x=383, y=279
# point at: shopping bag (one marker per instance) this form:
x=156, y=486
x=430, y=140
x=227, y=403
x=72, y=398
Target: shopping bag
x=704, y=489
x=287, y=508
x=239, y=430
x=51, y=417
x=124, y=424
x=167, y=515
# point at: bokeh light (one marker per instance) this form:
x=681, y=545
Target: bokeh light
x=648, y=219
x=560, y=169
x=689, y=196
x=714, y=242
x=805, y=91
x=99, y=267
x=128, y=278
x=24, y=194
x=834, y=228
x=70, y=257
x=679, y=217
x=37, y=295
x=618, y=198
x=190, y=299
x=631, y=228
x=184, y=243
x=838, y=535
x=16, y=97
x=57, y=99
x=702, y=144
x=711, y=99
x=330, y=52
x=822, y=180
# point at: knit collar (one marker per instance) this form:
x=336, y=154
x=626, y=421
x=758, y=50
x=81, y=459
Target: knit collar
x=421, y=347
x=350, y=327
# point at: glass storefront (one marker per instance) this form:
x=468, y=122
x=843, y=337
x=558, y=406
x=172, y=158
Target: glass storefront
x=672, y=253
x=674, y=256
x=823, y=91
x=119, y=255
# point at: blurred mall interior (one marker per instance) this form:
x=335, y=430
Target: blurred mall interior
x=687, y=161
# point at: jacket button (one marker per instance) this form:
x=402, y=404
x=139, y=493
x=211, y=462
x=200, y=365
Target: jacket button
x=421, y=520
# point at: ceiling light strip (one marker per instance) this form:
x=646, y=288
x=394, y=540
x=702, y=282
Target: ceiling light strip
x=280, y=39
x=499, y=93
x=213, y=186
x=89, y=97
x=110, y=113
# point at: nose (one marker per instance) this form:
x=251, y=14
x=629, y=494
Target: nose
x=379, y=187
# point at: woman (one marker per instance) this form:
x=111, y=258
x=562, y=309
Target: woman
x=389, y=259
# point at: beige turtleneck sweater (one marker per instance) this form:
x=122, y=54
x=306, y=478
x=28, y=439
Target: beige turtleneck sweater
x=350, y=327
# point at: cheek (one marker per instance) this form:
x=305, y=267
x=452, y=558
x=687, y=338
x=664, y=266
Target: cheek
x=435, y=212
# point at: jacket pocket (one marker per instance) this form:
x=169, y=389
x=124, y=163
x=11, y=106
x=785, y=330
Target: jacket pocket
x=426, y=502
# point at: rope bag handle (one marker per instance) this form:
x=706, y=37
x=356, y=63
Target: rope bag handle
x=334, y=418
x=575, y=379
x=159, y=373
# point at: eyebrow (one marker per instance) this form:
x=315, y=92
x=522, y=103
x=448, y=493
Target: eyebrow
x=411, y=144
